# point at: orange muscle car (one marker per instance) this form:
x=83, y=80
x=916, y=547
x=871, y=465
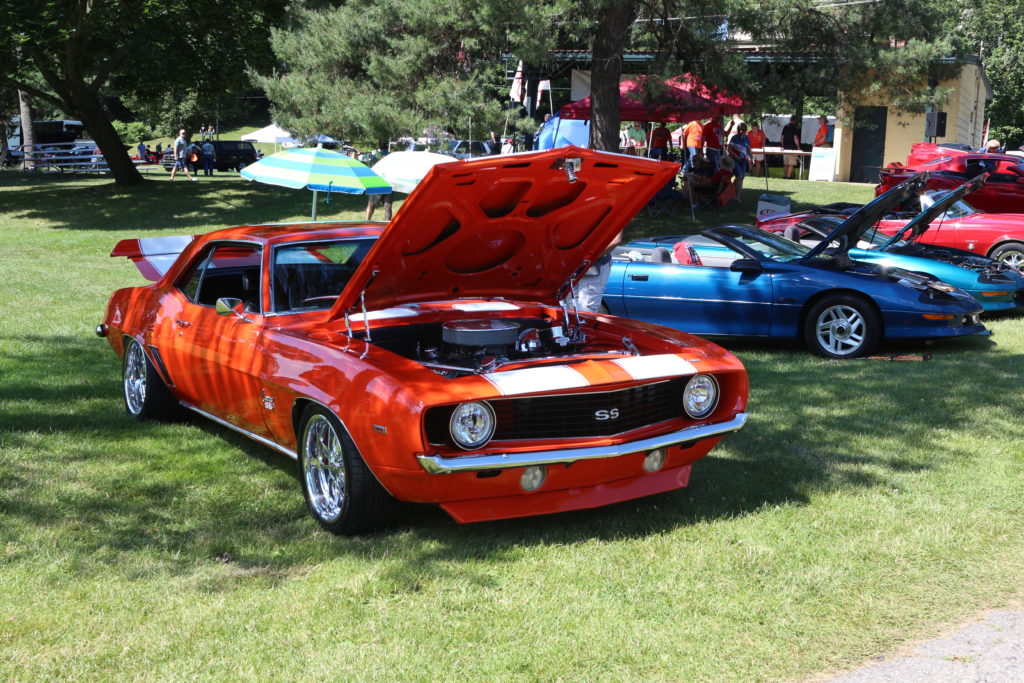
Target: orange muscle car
x=438, y=358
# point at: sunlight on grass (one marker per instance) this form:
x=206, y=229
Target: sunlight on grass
x=866, y=503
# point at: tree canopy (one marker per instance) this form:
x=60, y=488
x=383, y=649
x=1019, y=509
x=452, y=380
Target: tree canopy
x=143, y=50
x=380, y=68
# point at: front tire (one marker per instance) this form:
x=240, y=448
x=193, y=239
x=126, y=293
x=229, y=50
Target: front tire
x=340, y=491
x=842, y=326
x=1011, y=253
x=146, y=397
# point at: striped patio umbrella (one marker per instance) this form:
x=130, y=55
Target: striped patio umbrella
x=320, y=170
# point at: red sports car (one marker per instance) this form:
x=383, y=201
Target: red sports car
x=1002, y=193
x=999, y=236
x=437, y=359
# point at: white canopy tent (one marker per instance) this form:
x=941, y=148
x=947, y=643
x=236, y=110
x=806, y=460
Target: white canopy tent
x=271, y=134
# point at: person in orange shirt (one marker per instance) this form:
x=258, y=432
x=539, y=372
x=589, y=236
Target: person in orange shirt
x=757, y=141
x=821, y=137
x=659, y=142
x=693, y=140
x=713, y=139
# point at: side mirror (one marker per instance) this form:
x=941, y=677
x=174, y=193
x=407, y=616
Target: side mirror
x=230, y=306
x=746, y=265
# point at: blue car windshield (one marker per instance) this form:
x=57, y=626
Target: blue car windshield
x=767, y=245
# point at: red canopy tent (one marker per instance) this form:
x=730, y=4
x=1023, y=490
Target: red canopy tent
x=683, y=98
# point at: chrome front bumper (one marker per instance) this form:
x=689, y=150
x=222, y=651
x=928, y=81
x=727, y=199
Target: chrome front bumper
x=436, y=464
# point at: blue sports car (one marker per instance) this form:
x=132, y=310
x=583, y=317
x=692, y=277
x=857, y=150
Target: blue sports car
x=996, y=286
x=735, y=280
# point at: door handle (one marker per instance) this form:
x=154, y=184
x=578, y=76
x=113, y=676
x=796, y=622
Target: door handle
x=638, y=278
x=182, y=323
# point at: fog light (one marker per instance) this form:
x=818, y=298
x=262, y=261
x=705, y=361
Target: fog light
x=654, y=460
x=533, y=477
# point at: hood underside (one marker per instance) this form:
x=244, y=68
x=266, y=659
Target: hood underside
x=515, y=226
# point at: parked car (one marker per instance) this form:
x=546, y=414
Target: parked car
x=904, y=239
x=467, y=149
x=735, y=280
x=232, y=155
x=433, y=360
x=1003, y=192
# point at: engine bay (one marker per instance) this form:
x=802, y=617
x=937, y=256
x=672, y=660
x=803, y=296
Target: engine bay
x=474, y=345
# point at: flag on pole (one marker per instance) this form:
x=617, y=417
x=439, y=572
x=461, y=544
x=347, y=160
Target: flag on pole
x=542, y=86
x=516, y=92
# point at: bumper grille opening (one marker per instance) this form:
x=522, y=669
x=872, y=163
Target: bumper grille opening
x=591, y=414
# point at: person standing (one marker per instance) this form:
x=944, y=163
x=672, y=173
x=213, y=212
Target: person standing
x=209, y=157
x=142, y=152
x=591, y=286
x=181, y=155
x=637, y=139
x=790, y=141
x=739, y=151
x=660, y=142
x=712, y=135
x=375, y=200
x=693, y=141
x=757, y=140
x=821, y=137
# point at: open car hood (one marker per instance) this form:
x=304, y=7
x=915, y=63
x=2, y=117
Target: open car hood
x=919, y=224
x=516, y=226
x=864, y=218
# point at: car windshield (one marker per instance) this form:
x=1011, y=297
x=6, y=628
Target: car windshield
x=769, y=246
x=309, y=276
x=958, y=209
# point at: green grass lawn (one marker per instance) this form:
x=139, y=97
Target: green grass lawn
x=866, y=503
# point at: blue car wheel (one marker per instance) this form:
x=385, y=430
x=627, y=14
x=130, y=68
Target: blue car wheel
x=842, y=326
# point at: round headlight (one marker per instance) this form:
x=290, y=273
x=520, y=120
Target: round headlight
x=472, y=425
x=700, y=396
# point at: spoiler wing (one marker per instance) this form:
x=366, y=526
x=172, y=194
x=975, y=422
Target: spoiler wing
x=153, y=256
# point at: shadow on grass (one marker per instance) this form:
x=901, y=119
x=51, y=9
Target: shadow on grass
x=222, y=201
x=72, y=466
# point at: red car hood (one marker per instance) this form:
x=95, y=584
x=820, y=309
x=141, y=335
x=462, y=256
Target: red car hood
x=512, y=226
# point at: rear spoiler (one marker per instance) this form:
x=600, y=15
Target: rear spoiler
x=153, y=256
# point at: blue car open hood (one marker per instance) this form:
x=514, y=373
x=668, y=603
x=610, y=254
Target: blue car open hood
x=868, y=215
x=920, y=223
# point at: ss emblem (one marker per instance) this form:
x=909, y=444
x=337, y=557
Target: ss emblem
x=602, y=415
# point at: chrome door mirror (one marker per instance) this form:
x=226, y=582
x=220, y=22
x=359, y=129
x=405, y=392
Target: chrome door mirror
x=230, y=306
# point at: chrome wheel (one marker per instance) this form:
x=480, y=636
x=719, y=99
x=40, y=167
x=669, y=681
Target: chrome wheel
x=1013, y=258
x=135, y=378
x=840, y=330
x=323, y=465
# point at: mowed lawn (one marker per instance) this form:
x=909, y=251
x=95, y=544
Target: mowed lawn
x=866, y=503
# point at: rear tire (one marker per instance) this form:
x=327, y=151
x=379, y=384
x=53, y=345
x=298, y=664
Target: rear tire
x=842, y=326
x=1011, y=253
x=340, y=490
x=146, y=397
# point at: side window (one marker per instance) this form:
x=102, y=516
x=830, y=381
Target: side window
x=189, y=282
x=227, y=270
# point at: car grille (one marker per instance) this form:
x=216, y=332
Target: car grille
x=591, y=414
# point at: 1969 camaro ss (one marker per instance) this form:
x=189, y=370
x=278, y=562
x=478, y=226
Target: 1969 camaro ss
x=437, y=359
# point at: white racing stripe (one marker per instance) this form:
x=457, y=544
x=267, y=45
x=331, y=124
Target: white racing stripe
x=536, y=380
x=649, y=367
x=386, y=313
x=492, y=306
x=151, y=246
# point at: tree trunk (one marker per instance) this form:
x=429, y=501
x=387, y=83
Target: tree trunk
x=102, y=130
x=28, y=134
x=609, y=43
